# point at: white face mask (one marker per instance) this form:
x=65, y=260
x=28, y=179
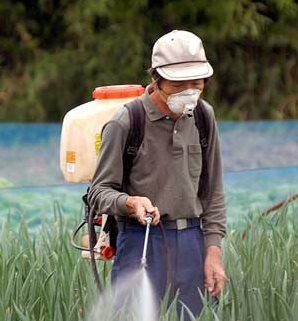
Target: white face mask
x=184, y=102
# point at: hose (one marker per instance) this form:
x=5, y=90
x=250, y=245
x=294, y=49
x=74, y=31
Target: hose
x=92, y=242
x=167, y=254
x=74, y=234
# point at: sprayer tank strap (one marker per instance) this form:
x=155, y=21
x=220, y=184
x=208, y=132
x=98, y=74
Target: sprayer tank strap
x=179, y=224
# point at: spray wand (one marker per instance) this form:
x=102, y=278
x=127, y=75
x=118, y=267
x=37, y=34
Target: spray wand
x=148, y=220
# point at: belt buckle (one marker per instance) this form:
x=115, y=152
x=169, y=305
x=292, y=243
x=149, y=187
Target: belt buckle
x=181, y=223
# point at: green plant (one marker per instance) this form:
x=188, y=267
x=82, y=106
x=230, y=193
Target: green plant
x=53, y=54
x=42, y=278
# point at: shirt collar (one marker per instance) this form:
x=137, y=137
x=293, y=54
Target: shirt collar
x=151, y=110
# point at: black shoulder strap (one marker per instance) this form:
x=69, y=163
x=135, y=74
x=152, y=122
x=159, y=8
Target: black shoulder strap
x=135, y=137
x=203, y=126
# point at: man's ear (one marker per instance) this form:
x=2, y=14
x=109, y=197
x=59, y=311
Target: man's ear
x=154, y=84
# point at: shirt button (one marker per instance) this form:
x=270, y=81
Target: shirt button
x=175, y=131
x=167, y=117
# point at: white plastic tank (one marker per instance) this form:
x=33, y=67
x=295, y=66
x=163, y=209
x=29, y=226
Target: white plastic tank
x=81, y=130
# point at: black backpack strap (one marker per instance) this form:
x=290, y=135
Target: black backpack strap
x=203, y=126
x=135, y=137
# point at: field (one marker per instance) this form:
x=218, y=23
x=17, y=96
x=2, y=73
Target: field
x=42, y=278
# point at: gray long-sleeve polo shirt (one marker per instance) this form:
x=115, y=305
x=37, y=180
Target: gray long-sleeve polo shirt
x=166, y=170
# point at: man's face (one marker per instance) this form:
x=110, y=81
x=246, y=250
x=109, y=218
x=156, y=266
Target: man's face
x=169, y=87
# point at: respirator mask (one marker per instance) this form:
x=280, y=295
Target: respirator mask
x=184, y=102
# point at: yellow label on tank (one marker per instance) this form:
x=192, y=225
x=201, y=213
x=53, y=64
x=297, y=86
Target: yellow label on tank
x=70, y=156
x=97, y=143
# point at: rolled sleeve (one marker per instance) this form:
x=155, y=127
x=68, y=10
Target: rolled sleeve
x=121, y=204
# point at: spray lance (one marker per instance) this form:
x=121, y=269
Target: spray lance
x=148, y=220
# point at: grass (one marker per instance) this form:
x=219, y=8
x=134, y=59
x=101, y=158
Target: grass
x=263, y=269
x=43, y=279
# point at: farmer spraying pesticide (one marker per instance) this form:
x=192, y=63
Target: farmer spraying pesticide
x=160, y=155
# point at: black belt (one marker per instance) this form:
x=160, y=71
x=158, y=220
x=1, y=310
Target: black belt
x=179, y=224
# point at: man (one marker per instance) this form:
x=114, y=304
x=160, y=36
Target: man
x=164, y=179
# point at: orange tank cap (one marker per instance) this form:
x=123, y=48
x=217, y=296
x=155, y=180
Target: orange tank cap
x=117, y=91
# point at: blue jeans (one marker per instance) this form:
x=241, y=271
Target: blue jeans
x=186, y=254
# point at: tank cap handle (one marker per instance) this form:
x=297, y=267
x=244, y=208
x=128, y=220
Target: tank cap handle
x=118, y=91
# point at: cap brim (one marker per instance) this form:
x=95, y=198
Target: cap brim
x=186, y=71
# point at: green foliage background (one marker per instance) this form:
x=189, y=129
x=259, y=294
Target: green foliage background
x=55, y=52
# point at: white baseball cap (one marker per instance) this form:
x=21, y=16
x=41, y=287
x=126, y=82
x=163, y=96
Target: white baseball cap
x=180, y=55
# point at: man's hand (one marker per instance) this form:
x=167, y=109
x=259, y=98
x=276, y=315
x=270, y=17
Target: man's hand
x=215, y=276
x=140, y=207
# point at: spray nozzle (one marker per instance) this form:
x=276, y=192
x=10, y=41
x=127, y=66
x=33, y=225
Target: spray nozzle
x=148, y=219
